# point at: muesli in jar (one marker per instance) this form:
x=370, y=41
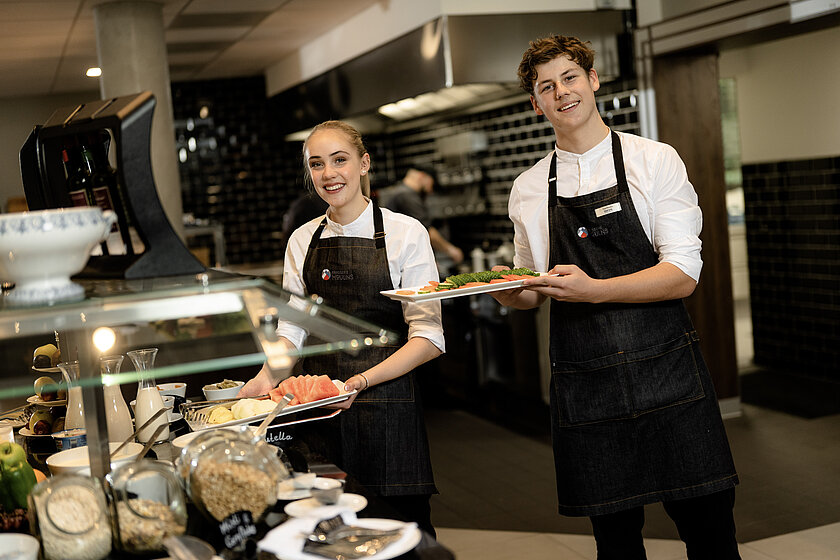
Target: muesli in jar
x=150, y=505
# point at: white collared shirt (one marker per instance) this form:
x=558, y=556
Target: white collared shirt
x=665, y=200
x=411, y=262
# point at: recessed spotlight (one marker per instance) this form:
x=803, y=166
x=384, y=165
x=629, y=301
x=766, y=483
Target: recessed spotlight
x=93, y=72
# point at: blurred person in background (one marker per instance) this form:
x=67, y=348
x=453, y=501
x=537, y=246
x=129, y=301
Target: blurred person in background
x=409, y=197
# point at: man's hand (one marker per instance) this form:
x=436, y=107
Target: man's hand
x=569, y=283
x=260, y=384
x=518, y=298
x=661, y=282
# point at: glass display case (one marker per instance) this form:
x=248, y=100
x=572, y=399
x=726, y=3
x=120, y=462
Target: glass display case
x=209, y=322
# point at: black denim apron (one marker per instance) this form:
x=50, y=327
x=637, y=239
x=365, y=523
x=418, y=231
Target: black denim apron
x=635, y=419
x=381, y=439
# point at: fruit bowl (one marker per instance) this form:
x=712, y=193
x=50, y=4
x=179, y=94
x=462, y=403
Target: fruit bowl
x=39, y=251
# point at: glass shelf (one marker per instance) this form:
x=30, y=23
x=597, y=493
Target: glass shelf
x=197, y=312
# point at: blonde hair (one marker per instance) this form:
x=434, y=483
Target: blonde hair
x=355, y=138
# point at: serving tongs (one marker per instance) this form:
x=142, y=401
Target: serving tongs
x=145, y=424
x=199, y=411
x=332, y=538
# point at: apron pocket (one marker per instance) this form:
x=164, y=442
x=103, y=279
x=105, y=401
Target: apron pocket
x=627, y=384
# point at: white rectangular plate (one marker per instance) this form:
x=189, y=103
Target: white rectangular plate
x=342, y=396
x=457, y=292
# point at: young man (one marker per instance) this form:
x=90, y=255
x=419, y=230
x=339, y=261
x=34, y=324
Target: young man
x=408, y=197
x=635, y=419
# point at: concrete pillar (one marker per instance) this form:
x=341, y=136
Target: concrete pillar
x=132, y=54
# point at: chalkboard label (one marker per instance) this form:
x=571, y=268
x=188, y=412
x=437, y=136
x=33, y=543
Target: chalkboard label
x=236, y=528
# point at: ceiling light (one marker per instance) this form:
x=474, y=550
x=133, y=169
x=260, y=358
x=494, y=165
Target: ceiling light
x=93, y=72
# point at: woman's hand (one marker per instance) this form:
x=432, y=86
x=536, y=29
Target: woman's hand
x=356, y=383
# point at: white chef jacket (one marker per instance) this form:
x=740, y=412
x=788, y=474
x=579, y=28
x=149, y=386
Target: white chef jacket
x=665, y=200
x=411, y=262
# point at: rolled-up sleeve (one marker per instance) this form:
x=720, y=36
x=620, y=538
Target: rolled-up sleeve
x=293, y=282
x=416, y=268
x=678, y=219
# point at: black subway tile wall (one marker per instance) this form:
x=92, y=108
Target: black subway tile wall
x=793, y=240
x=235, y=168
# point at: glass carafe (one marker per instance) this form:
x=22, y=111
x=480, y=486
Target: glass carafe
x=117, y=415
x=75, y=416
x=149, y=400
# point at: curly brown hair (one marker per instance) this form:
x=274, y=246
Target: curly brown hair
x=546, y=49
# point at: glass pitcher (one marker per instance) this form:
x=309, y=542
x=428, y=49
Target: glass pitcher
x=149, y=400
x=75, y=416
x=117, y=415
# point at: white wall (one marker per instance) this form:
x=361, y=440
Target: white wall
x=18, y=116
x=788, y=92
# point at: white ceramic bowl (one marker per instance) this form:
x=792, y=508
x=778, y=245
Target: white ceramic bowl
x=40, y=251
x=76, y=460
x=216, y=394
x=181, y=441
x=177, y=389
x=19, y=546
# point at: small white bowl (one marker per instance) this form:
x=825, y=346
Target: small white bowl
x=216, y=394
x=19, y=546
x=181, y=441
x=175, y=389
x=40, y=251
x=77, y=461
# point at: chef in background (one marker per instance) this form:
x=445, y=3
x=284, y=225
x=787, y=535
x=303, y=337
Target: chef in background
x=348, y=256
x=409, y=197
x=635, y=419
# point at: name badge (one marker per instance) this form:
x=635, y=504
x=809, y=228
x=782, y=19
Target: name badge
x=608, y=209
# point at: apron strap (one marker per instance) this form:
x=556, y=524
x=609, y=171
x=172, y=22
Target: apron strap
x=552, y=180
x=316, y=237
x=378, y=228
x=618, y=164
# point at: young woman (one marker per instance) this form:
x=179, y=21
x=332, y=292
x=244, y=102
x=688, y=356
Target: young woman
x=347, y=257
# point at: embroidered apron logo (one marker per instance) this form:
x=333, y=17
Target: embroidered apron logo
x=328, y=274
x=597, y=231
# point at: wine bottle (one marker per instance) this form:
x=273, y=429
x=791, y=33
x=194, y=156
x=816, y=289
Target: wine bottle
x=80, y=184
x=107, y=178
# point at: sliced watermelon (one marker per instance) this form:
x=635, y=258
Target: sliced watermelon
x=323, y=388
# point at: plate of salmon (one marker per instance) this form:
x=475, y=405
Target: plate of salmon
x=310, y=391
x=465, y=284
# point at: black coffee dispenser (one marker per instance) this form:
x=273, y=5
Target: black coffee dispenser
x=65, y=163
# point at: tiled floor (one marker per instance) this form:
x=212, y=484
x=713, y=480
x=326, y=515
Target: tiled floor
x=498, y=499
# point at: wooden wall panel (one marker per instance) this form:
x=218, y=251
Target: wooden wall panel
x=688, y=117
